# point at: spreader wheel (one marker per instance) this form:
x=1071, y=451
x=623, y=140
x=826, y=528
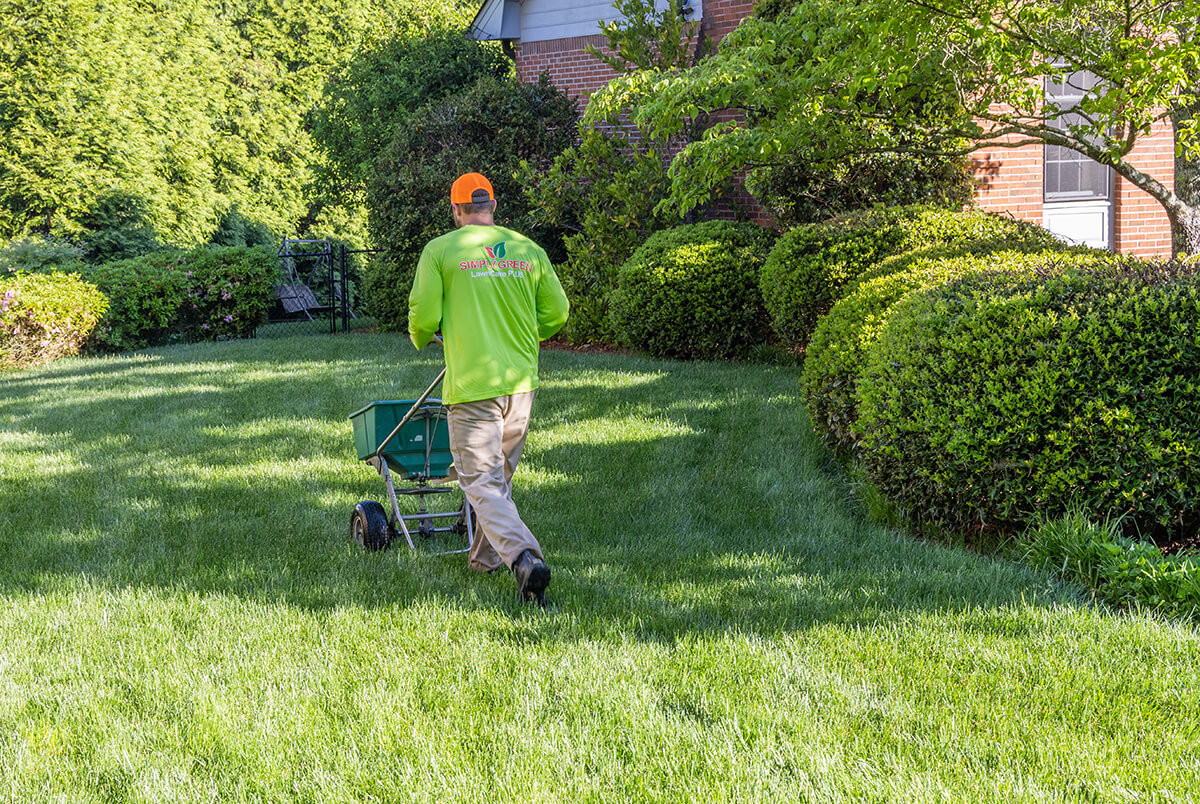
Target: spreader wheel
x=369, y=525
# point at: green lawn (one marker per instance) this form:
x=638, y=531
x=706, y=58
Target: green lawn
x=184, y=618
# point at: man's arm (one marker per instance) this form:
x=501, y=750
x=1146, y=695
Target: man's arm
x=552, y=304
x=425, y=301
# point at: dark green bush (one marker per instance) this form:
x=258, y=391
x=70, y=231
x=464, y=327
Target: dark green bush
x=373, y=98
x=203, y=294
x=1000, y=396
x=235, y=229
x=490, y=128
x=119, y=226
x=692, y=292
x=45, y=316
x=839, y=346
x=38, y=254
x=935, y=232
x=814, y=265
x=1117, y=570
x=806, y=270
x=145, y=298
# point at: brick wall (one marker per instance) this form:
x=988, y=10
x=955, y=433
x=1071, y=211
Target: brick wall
x=1010, y=180
x=570, y=68
x=1142, y=227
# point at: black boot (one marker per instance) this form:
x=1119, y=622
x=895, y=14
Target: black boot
x=533, y=576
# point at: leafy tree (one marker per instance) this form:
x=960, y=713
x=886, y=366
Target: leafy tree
x=874, y=77
x=366, y=103
x=492, y=127
x=196, y=106
x=604, y=191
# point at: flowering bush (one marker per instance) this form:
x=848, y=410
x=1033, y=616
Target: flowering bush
x=229, y=291
x=146, y=295
x=204, y=294
x=45, y=316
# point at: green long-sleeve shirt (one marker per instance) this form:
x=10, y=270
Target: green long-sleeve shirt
x=495, y=296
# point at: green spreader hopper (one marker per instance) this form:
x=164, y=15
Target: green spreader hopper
x=420, y=451
x=408, y=442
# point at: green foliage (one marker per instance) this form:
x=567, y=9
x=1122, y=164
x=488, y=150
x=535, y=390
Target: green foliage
x=645, y=37
x=604, y=191
x=118, y=227
x=808, y=149
x=38, y=254
x=692, y=292
x=208, y=293
x=145, y=301
x=490, y=128
x=1117, y=570
x=806, y=270
x=843, y=339
x=229, y=291
x=1001, y=396
x=825, y=83
x=235, y=229
x=194, y=106
x=45, y=316
x=798, y=189
x=366, y=104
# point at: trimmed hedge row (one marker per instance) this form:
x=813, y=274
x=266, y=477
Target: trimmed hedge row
x=45, y=316
x=1001, y=396
x=838, y=350
x=692, y=292
x=813, y=266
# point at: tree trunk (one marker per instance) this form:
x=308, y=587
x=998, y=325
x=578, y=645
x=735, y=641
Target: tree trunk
x=1185, y=227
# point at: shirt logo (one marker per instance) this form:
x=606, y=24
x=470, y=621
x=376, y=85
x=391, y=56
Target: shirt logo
x=494, y=263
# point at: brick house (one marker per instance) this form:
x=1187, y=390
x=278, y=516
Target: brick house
x=1069, y=194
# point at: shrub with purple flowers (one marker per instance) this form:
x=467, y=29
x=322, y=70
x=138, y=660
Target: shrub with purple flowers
x=204, y=294
x=229, y=291
x=45, y=316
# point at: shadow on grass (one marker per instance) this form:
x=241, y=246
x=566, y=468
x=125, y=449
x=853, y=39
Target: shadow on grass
x=671, y=499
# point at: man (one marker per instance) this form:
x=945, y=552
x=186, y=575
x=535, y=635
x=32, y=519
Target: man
x=495, y=296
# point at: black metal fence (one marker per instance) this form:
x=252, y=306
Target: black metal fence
x=319, y=290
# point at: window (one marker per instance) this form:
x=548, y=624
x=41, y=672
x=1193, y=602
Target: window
x=1069, y=175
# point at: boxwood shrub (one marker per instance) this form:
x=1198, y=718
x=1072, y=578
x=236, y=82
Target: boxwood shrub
x=45, y=316
x=813, y=266
x=692, y=292
x=805, y=272
x=838, y=349
x=998, y=396
x=146, y=295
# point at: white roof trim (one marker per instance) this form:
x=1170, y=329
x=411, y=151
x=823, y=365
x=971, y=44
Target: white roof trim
x=497, y=19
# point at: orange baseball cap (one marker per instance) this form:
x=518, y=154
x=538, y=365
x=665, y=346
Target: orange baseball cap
x=470, y=188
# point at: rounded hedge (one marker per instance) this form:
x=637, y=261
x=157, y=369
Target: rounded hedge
x=46, y=316
x=838, y=350
x=207, y=293
x=692, y=292
x=805, y=272
x=999, y=397
x=930, y=232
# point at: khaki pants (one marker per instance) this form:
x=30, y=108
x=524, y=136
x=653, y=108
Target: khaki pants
x=486, y=439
